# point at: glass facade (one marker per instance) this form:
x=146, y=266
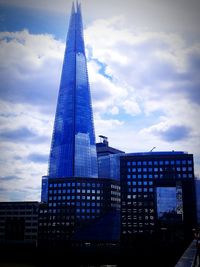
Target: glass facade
x=109, y=166
x=81, y=209
x=169, y=203
x=44, y=195
x=73, y=150
x=157, y=190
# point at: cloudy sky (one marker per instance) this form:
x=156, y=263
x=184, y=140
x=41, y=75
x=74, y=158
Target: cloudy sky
x=144, y=71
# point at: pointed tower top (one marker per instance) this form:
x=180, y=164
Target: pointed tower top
x=73, y=8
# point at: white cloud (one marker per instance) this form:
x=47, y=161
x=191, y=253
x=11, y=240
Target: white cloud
x=30, y=68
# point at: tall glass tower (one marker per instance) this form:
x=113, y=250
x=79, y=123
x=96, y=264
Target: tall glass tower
x=73, y=150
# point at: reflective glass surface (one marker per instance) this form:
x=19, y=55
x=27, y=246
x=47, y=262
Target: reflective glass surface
x=169, y=203
x=44, y=194
x=73, y=150
x=109, y=166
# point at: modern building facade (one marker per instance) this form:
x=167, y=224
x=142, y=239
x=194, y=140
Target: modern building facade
x=197, y=183
x=73, y=149
x=19, y=222
x=80, y=210
x=77, y=206
x=81, y=195
x=157, y=193
x=108, y=159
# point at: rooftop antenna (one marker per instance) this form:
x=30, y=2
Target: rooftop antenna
x=152, y=148
x=103, y=139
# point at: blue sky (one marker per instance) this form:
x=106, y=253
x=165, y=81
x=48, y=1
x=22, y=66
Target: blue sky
x=143, y=63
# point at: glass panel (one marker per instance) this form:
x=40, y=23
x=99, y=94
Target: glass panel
x=169, y=203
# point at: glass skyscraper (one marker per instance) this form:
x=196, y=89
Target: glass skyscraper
x=73, y=150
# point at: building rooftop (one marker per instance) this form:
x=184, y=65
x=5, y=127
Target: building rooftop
x=157, y=153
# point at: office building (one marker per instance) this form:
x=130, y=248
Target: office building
x=108, y=159
x=80, y=211
x=73, y=149
x=197, y=185
x=19, y=222
x=157, y=193
x=77, y=206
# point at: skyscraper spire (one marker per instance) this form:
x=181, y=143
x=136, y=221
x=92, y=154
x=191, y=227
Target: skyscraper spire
x=73, y=149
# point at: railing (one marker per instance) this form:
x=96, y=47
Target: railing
x=190, y=257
